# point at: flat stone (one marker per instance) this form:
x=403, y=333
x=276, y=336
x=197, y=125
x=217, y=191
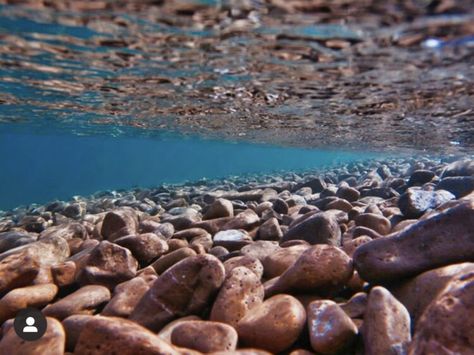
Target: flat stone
x=204, y=336
x=83, y=301
x=443, y=239
x=386, y=328
x=331, y=330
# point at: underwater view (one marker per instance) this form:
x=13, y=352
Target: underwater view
x=240, y=177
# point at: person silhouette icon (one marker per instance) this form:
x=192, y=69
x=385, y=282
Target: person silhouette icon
x=30, y=328
x=30, y=324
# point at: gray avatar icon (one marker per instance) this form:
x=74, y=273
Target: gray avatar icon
x=30, y=324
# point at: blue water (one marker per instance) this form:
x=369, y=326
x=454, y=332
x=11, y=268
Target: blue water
x=40, y=167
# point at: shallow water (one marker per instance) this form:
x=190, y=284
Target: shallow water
x=112, y=95
x=55, y=165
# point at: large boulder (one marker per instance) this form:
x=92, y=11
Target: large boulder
x=446, y=326
x=443, y=239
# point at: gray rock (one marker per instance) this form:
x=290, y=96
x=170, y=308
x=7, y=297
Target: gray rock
x=413, y=203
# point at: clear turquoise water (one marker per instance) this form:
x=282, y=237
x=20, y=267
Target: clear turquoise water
x=43, y=166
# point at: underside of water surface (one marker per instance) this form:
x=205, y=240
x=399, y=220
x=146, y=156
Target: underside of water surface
x=98, y=95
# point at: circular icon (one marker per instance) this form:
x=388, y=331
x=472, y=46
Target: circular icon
x=30, y=324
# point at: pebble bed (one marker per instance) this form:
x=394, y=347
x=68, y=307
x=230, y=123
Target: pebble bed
x=372, y=257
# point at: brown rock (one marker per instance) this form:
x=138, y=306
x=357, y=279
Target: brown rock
x=64, y=274
x=175, y=244
x=386, y=328
x=319, y=268
x=270, y=230
x=355, y=306
x=339, y=204
x=119, y=223
x=67, y=232
x=108, y=264
x=32, y=296
x=126, y=296
x=232, y=239
x=144, y=247
x=351, y=245
x=213, y=225
x=73, y=325
x=168, y=260
x=260, y=249
x=279, y=261
x=251, y=263
x=246, y=220
x=240, y=293
x=52, y=342
x=13, y=239
x=182, y=290
x=274, y=325
x=204, y=336
x=446, y=326
x=330, y=329
x=83, y=301
x=109, y=335
x=446, y=238
x=377, y=222
x=21, y=265
x=316, y=228
x=348, y=193
x=418, y=292
x=219, y=208
x=165, y=333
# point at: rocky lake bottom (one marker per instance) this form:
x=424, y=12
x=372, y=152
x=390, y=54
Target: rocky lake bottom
x=370, y=257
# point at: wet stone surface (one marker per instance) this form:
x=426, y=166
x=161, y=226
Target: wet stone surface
x=393, y=283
